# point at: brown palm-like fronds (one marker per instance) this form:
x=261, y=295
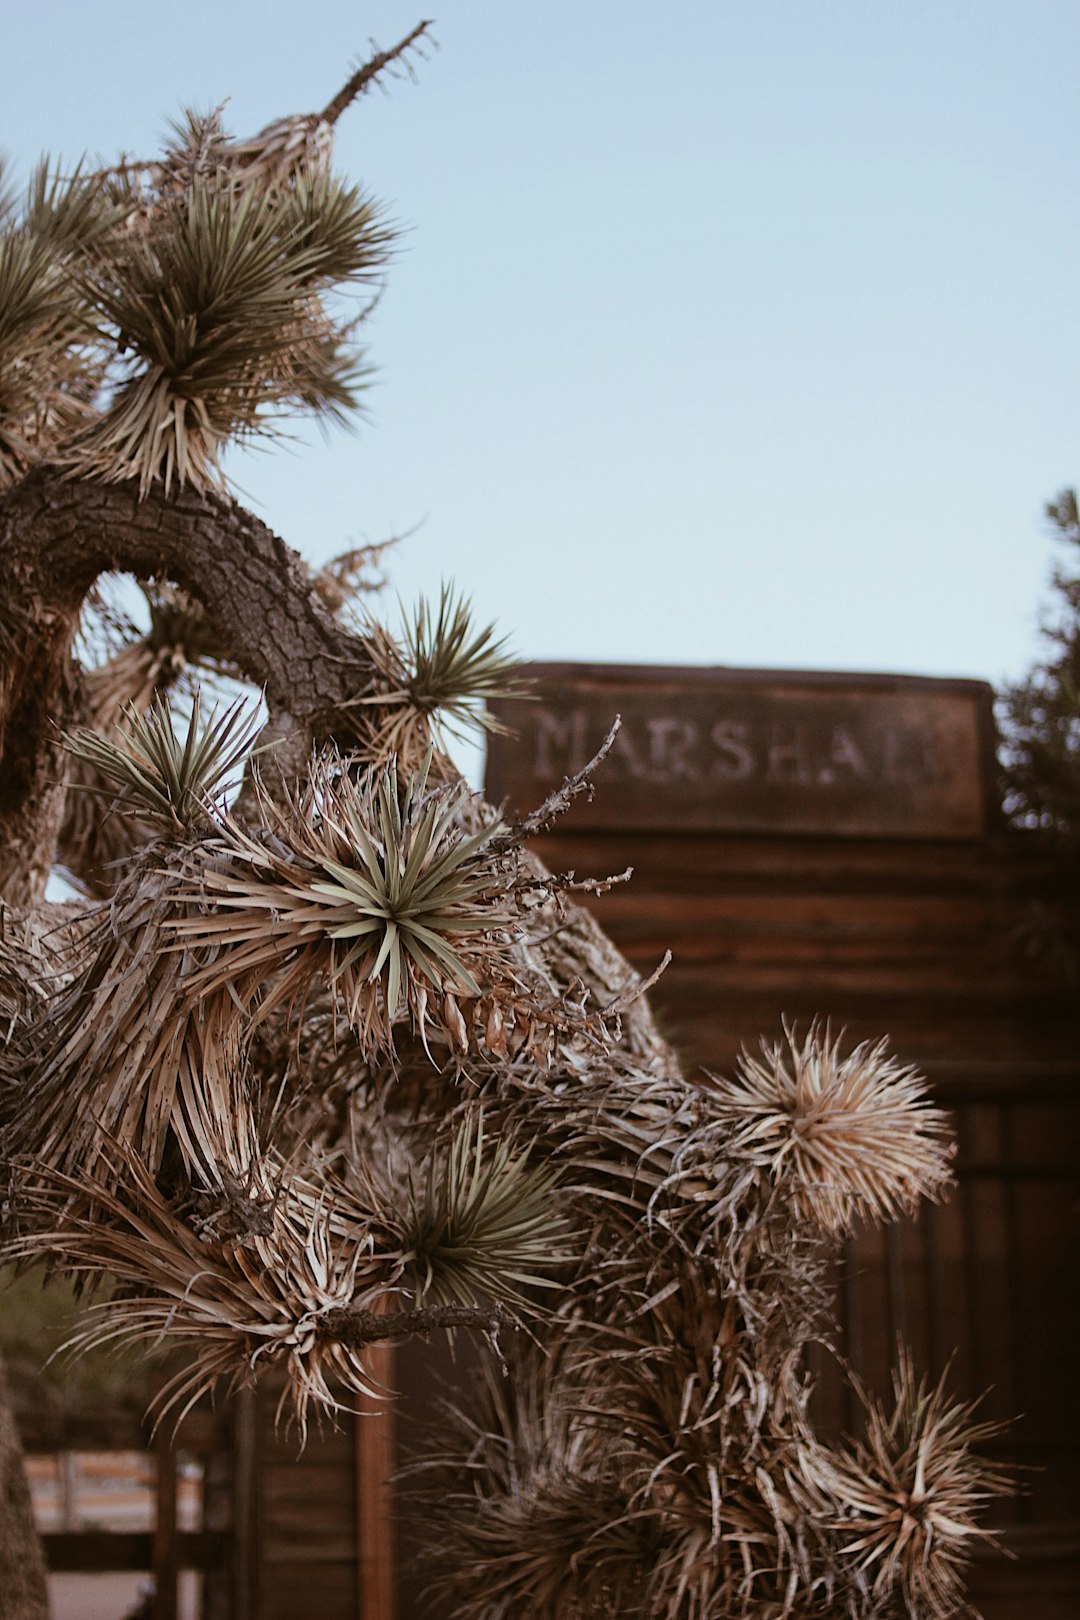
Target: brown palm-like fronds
x=642, y=1154
x=842, y=1138
x=477, y=1220
x=198, y=152
x=440, y=679
x=522, y=1513
x=131, y=679
x=51, y=363
x=233, y=1305
x=73, y=214
x=353, y=573
x=703, y=1406
x=126, y=1052
x=169, y=781
x=910, y=1493
x=48, y=370
x=36, y=949
x=127, y=668
x=217, y=309
x=370, y=883
x=127, y=662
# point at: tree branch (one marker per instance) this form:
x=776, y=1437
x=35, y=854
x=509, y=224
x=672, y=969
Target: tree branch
x=369, y=72
x=356, y=1328
x=57, y=535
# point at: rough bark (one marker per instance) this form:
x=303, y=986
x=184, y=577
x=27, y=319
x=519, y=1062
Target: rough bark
x=23, y=1591
x=56, y=536
x=359, y=1327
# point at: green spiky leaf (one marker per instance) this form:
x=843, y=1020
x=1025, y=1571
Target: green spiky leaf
x=162, y=777
x=483, y=1223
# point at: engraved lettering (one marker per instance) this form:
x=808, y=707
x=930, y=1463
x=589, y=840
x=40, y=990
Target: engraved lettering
x=788, y=763
x=908, y=757
x=844, y=757
x=736, y=761
x=670, y=741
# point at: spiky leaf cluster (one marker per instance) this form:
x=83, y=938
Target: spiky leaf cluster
x=219, y=311
x=438, y=680
x=232, y=1304
x=479, y=1221
x=169, y=781
x=847, y=1138
x=386, y=888
x=912, y=1491
x=51, y=363
x=151, y=315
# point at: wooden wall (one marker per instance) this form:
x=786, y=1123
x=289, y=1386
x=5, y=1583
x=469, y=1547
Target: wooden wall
x=815, y=886
x=314, y=1537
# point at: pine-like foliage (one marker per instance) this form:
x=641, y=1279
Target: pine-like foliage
x=1041, y=715
x=329, y=1058
x=1040, y=753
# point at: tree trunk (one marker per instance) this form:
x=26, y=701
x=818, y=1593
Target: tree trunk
x=23, y=1591
x=56, y=536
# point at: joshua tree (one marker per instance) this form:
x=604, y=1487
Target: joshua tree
x=324, y=1056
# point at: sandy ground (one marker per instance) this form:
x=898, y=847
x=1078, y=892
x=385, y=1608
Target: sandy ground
x=111, y=1491
x=111, y=1597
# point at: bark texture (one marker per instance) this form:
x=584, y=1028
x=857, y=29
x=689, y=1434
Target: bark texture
x=56, y=536
x=23, y=1591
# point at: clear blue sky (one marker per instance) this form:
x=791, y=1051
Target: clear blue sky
x=722, y=332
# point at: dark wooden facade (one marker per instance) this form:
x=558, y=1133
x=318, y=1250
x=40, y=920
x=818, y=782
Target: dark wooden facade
x=274, y=1532
x=831, y=846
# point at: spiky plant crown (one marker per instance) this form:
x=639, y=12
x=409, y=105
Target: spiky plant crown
x=477, y=1221
x=168, y=781
x=911, y=1492
x=378, y=885
x=153, y=313
x=222, y=305
x=437, y=681
x=845, y=1138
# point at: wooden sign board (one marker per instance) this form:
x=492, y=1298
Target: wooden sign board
x=758, y=751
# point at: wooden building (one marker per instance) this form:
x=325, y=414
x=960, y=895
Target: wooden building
x=807, y=846
x=831, y=846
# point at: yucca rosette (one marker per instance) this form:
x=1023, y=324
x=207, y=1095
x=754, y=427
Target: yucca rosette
x=840, y=1138
x=388, y=890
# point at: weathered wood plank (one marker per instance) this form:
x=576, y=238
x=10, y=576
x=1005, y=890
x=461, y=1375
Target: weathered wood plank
x=914, y=930
x=757, y=750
